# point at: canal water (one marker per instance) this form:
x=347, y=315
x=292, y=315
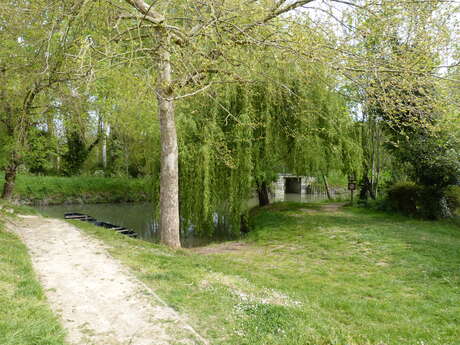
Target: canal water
x=139, y=217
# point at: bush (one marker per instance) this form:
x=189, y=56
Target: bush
x=453, y=198
x=433, y=203
x=402, y=197
x=429, y=202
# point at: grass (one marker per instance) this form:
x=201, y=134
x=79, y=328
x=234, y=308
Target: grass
x=309, y=277
x=87, y=189
x=25, y=317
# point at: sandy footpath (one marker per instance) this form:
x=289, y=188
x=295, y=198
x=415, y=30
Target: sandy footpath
x=98, y=301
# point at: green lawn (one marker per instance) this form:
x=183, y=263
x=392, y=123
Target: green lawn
x=87, y=189
x=313, y=277
x=25, y=317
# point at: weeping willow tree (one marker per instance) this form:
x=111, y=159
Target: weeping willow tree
x=190, y=48
x=324, y=138
x=236, y=138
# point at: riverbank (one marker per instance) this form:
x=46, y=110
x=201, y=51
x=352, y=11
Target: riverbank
x=25, y=316
x=309, y=275
x=52, y=190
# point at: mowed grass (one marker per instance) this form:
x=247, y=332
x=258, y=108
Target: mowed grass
x=305, y=276
x=25, y=317
x=87, y=189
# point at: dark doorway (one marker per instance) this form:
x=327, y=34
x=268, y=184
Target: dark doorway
x=292, y=185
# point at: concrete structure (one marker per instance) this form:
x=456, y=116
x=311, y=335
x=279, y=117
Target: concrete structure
x=288, y=183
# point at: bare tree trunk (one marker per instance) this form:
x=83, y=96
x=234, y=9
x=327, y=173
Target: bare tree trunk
x=10, y=177
x=11, y=168
x=377, y=176
x=326, y=185
x=169, y=175
x=366, y=188
x=106, y=131
x=262, y=192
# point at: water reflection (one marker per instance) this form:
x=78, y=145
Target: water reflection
x=136, y=216
x=139, y=217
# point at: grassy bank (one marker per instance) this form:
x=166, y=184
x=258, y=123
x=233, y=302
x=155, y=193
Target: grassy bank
x=307, y=276
x=78, y=189
x=25, y=317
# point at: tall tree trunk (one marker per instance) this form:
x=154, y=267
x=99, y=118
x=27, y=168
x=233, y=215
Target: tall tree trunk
x=51, y=131
x=169, y=175
x=106, y=131
x=262, y=192
x=378, y=166
x=326, y=185
x=366, y=188
x=10, y=177
x=11, y=168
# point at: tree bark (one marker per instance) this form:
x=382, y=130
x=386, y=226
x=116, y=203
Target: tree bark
x=11, y=168
x=10, y=177
x=51, y=134
x=106, y=131
x=326, y=185
x=366, y=188
x=169, y=172
x=262, y=192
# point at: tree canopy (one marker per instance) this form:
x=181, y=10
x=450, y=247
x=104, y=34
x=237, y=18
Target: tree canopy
x=213, y=99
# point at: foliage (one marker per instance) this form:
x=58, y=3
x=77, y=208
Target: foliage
x=41, y=151
x=198, y=47
x=40, y=40
x=453, y=198
x=430, y=202
x=130, y=132
x=403, y=197
x=4, y=147
x=411, y=117
x=76, y=154
x=400, y=96
x=77, y=189
x=236, y=138
x=434, y=164
x=257, y=88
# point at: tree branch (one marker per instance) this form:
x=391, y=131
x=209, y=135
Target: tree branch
x=147, y=11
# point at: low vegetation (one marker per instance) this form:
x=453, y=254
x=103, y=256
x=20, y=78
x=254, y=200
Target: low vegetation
x=315, y=275
x=25, y=317
x=57, y=190
x=411, y=199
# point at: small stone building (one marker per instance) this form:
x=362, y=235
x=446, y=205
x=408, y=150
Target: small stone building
x=289, y=183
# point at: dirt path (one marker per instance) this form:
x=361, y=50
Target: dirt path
x=334, y=207
x=98, y=300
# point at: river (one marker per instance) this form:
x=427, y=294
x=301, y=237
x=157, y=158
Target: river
x=139, y=217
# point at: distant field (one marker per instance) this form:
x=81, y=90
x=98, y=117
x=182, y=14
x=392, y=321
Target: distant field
x=307, y=276
x=57, y=190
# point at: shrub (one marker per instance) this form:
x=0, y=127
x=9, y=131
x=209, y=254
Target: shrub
x=430, y=202
x=453, y=198
x=403, y=196
x=433, y=203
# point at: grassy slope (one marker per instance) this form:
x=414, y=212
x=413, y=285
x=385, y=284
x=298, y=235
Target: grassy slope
x=351, y=277
x=25, y=318
x=56, y=190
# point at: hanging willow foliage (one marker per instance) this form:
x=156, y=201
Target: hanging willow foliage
x=239, y=135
